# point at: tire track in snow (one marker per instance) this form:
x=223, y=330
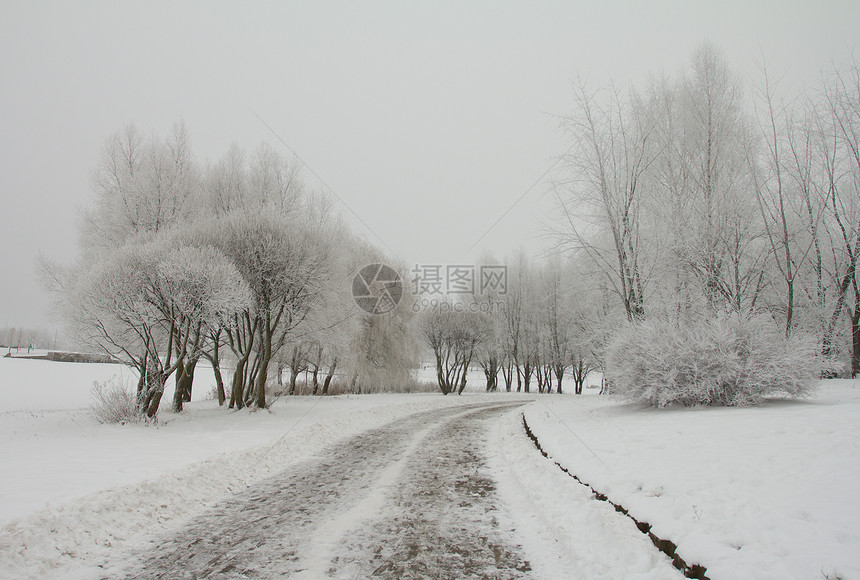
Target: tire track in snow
x=295, y=523
x=442, y=521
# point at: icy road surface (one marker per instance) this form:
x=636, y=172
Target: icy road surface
x=412, y=499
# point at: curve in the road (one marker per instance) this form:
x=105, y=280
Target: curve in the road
x=411, y=499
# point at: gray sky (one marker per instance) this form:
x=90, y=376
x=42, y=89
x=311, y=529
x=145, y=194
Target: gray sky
x=430, y=119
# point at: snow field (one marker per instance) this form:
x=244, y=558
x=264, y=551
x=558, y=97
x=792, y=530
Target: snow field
x=756, y=493
x=43, y=385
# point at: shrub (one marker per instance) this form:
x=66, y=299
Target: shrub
x=726, y=360
x=113, y=402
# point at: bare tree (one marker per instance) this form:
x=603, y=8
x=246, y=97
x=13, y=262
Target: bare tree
x=601, y=198
x=840, y=136
x=454, y=337
x=556, y=310
x=140, y=187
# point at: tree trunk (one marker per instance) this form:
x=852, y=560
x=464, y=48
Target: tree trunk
x=315, y=380
x=293, y=376
x=466, y=363
x=154, y=390
x=827, y=340
x=262, y=374
x=559, y=375
x=251, y=373
x=491, y=372
x=440, y=376
x=180, y=384
x=508, y=376
x=184, y=383
x=190, y=367
x=539, y=377
x=215, y=359
x=527, y=375
x=242, y=344
x=855, y=338
x=519, y=377
x=490, y=379
x=317, y=363
x=329, y=376
x=219, y=383
x=141, y=387
x=237, y=398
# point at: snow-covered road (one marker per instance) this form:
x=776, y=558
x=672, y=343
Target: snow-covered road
x=412, y=499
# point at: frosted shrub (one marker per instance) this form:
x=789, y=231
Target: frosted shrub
x=113, y=403
x=727, y=360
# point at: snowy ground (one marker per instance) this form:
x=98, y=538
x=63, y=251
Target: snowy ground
x=759, y=493
x=748, y=493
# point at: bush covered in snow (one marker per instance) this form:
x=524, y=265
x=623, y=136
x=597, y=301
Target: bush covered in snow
x=113, y=402
x=726, y=360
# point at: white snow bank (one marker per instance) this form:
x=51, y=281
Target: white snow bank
x=756, y=493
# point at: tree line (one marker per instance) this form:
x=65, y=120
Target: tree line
x=27, y=339
x=541, y=328
x=699, y=196
x=234, y=260
x=705, y=246
x=680, y=203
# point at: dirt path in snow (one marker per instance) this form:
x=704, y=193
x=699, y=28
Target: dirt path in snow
x=412, y=499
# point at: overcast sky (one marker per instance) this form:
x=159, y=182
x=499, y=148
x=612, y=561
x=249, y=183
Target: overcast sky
x=428, y=119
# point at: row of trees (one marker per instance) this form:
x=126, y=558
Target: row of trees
x=26, y=338
x=678, y=203
x=692, y=198
x=180, y=262
x=545, y=327
x=700, y=210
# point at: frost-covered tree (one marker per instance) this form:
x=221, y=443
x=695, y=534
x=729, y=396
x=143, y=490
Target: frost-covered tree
x=556, y=317
x=839, y=123
x=147, y=304
x=600, y=195
x=200, y=289
x=734, y=221
x=284, y=263
x=723, y=252
x=141, y=186
x=455, y=336
x=163, y=238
